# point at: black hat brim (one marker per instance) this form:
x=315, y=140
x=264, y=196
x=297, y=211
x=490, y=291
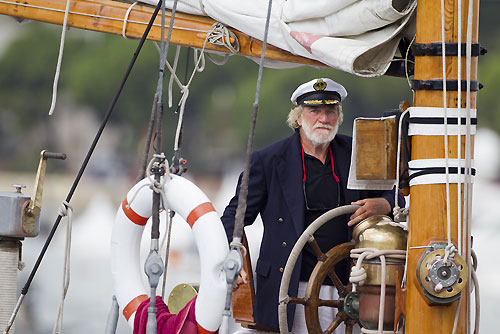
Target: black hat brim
x=319, y=98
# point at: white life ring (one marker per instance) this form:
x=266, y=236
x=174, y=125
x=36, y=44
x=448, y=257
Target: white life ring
x=188, y=201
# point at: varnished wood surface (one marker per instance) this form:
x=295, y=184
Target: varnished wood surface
x=428, y=219
x=108, y=16
x=376, y=146
x=243, y=297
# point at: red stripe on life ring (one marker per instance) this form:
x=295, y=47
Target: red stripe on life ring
x=199, y=211
x=133, y=305
x=202, y=330
x=132, y=216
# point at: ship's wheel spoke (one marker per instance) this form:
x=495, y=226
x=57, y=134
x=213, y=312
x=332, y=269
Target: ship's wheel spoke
x=331, y=303
x=337, y=282
x=320, y=256
x=296, y=300
x=335, y=323
x=349, y=325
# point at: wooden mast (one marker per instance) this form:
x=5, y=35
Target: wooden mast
x=428, y=218
x=109, y=16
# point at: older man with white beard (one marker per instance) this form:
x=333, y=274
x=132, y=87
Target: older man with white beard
x=293, y=182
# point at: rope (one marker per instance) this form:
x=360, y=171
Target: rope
x=26, y=287
x=476, y=294
x=358, y=275
x=448, y=216
x=65, y=210
x=459, y=136
x=468, y=157
x=218, y=35
x=457, y=312
x=59, y=59
x=242, y=205
x=171, y=80
x=221, y=36
x=125, y=20
x=399, y=214
x=170, y=215
x=406, y=62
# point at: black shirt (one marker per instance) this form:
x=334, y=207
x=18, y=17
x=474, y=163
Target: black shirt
x=322, y=193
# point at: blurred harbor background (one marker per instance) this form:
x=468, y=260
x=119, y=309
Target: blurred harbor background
x=214, y=140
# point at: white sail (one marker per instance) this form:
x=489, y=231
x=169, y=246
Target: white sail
x=355, y=36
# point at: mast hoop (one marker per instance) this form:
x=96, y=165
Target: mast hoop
x=451, y=49
x=429, y=121
x=432, y=171
x=451, y=85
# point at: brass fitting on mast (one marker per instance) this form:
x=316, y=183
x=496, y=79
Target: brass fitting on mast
x=441, y=278
x=33, y=207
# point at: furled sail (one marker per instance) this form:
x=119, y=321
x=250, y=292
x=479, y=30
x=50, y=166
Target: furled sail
x=355, y=36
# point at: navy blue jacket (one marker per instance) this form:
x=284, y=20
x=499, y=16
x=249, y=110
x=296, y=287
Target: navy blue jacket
x=275, y=191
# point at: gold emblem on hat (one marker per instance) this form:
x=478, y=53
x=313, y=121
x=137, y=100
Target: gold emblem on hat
x=320, y=85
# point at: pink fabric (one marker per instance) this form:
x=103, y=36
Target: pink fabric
x=305, y=39
x=167, y=323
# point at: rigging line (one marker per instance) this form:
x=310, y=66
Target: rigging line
x=25, y=289
x=171, y=80
x=157, y=197
x=97, y=16
x=168, y=221
x=65, y=210
x=147, y=145
x=406, y=62
x=459, y=134
x=125, y=20
x=59, y=60
x=178, y=139
x=468, y=154
x=158, y=107
x=242, y=205
x=448, y=218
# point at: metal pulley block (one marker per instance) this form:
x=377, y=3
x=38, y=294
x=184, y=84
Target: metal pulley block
x=441, y=282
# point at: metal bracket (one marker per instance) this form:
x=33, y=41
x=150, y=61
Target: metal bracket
x=451, y=49
x=178, y=165
x=33, y=208
x=451, y=85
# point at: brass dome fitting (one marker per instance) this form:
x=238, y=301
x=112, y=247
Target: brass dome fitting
x=380, y=232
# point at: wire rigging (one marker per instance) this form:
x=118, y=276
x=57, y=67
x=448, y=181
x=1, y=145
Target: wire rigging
x=110, y=110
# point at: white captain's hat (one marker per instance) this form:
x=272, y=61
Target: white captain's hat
x=319, y=92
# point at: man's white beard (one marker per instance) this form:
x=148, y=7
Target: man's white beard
x=320, y=137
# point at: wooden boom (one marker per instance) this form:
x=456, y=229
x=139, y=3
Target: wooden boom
x=428, y=217
x=109, y=16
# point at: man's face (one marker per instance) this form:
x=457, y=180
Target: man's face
x=320, y=124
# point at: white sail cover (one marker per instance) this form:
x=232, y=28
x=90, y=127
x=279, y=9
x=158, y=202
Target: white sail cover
x=355, y=36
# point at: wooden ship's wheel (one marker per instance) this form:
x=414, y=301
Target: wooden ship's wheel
x=347, y=304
